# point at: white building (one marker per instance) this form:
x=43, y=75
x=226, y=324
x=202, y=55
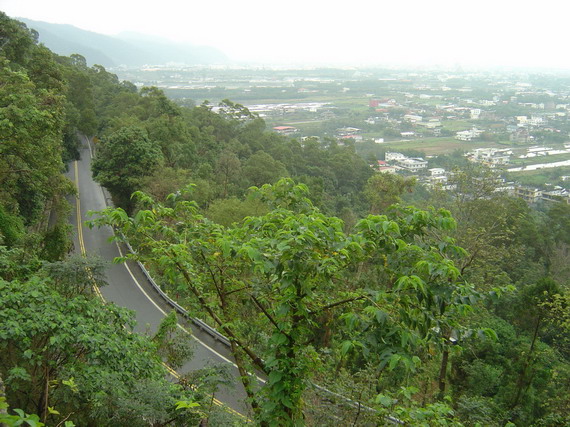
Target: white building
x=347, y=131
x=490, y=156
x=559, y=194
x=436, y=171
x=413, y=118
x=433, y=123
x=414, y=164
x=394, y=157
x=437, y=181
x=403, y=162
x=536, y=121
x=468, y=135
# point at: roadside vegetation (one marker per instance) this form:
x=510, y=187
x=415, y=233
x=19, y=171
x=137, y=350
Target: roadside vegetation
x=438, y=308
x=541, y=177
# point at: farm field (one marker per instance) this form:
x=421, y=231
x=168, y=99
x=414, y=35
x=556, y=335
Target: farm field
x=456, y=125
x=540, y=159
x=435, y=146
x=540, y=177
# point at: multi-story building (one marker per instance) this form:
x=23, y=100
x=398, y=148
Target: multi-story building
x=559, y=194
x=490, y=156
x=531, y=195
x=413, y=164
x=468, y=135
x=392, y=156
x=403, y=162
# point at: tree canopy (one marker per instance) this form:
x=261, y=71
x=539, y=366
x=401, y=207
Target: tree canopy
x=317, y=269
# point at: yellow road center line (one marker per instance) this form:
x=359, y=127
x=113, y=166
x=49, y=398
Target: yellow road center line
x=80, y=230
x=100, y=295
x=216, y=401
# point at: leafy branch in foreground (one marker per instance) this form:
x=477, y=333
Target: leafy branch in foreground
x=280, y=271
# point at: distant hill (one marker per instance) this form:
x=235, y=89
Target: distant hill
x=129, y=49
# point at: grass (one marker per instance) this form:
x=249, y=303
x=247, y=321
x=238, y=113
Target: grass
x=456, y=125
x=336, y=99
x=540, y=177
x=309, y=128
x=444, y=145
x=540, y=159
x=371, y=135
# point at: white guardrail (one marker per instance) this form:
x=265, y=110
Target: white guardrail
x=224, y=340
x=217, y=335
x=196, y=321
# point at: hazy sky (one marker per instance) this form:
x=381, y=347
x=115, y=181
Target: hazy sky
x=447, y=32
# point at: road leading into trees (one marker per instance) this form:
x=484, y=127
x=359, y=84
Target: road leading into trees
x=128, y=287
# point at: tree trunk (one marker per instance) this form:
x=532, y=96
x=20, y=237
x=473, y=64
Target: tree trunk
x=443, y=372
x=520, y=381
x=2, y=395
x=244, y=376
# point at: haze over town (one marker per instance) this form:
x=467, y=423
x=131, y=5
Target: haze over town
x=444, y=33
x=294, y=214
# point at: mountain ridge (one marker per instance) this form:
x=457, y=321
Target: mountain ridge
x=128, y=49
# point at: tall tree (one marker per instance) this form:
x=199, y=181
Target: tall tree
x=282, y=271
x=30, y=152
x=384, y=189
x=123, y=160
x=261, y=169
x=79, y=355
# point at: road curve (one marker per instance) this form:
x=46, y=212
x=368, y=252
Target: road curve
x=129, y=288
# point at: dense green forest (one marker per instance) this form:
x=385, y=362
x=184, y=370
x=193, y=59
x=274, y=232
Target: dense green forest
x=438, y=308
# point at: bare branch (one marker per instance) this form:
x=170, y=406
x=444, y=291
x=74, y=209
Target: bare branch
x=268, y=315
x=344, y=301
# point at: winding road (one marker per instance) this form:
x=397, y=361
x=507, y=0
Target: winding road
x=128, y=287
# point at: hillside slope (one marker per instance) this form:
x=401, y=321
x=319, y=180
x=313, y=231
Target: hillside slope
x=130, y=49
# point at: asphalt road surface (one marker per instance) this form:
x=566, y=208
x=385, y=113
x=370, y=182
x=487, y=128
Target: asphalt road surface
x=128, y=287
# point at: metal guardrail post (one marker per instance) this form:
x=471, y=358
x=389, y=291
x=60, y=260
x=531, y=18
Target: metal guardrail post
x=223, y=339
x=198, y=322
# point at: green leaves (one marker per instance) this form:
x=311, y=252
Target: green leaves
x=350, y=345
x=52, y=411
x=21, y=419
x=18, y=373
x=384, y=400
x=286, y=266
x=186, y=404
x=31, y=128
x=87, y=349
x=279, y=339
x=488, y=333
x=71, y=384
x=123, y=159
x=411, y=282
